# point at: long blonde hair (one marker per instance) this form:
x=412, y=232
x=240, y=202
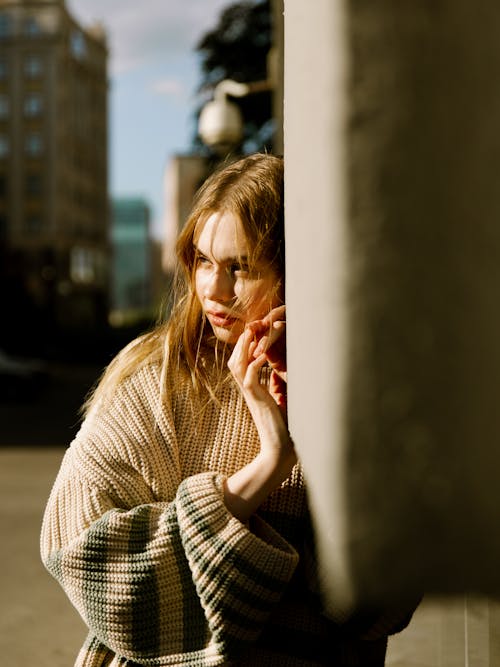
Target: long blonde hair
x=252, y=190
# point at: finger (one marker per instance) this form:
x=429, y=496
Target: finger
x=252, y=377
x=247, y=374
x=278, y=313
x=258, y=327
x=275, y=315
x=278, y=390
x=251, y=349
x=274, y=334
x=248, y=342
x=261, y=346
x=239, y=358
x=278, y=384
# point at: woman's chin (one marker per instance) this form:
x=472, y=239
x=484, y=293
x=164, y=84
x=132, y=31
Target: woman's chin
x=226, y=335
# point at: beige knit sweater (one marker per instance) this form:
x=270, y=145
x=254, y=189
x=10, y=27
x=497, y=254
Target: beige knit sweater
x=137, y=534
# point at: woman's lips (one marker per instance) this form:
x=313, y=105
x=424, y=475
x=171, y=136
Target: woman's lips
x=220, y=319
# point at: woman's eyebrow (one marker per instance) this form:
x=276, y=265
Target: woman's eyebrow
x=198, y=251
x=223, y=260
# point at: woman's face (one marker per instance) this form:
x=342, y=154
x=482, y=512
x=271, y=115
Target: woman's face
x=230, y=293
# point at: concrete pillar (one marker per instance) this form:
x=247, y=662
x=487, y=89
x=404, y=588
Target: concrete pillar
x=276, y=72
x=392, y=147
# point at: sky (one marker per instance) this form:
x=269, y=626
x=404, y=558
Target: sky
x=153, y=75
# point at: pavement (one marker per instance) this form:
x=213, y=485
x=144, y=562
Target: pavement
x=38, y=625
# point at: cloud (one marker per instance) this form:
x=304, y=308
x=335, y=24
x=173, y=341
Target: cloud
x=152, y=30
x=170, y=87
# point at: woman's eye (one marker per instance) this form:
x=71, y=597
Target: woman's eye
x=241, y=269
x=202, y=260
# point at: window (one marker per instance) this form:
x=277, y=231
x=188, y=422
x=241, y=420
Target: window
x=4, y=146
x=6, y=26
x=31, y=27
x=34, y=184
x=33, y=66
x=4, y=106
x=33, y=104
x=34, y=144
x=82, y=265
x=33, y=224
x=78, y=45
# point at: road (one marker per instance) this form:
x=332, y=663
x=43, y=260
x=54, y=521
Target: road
x=51, y=417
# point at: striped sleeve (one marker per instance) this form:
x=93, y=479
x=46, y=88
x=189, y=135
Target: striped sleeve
x=240, y=573
x=171, y=579
x=126, y=575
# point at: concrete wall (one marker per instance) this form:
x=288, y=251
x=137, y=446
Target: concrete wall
x=316, y=218
x=392, y=147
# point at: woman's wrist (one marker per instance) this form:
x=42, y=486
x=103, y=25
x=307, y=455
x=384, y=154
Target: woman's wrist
x=277, y=466
x=269, y=421
x=247, y=489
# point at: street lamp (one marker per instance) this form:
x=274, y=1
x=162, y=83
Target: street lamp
x=220, y=124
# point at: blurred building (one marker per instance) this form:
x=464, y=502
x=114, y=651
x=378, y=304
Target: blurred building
x=53, y=168
x=181, y=179
x=132, y=258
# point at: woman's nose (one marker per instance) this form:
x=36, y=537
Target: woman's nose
x=219, y=285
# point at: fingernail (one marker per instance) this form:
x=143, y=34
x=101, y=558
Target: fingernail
x=261, y=345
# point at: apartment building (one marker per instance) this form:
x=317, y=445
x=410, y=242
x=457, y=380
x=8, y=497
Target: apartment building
x=54, y=214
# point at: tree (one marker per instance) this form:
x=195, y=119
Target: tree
x=237, y=48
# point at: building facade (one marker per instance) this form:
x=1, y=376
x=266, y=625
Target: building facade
x=131, y=253
x=53, y=166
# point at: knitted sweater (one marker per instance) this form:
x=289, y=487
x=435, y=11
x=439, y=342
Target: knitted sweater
x=137, y=533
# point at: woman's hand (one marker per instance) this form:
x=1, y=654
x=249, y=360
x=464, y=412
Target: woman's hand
x=251, y=485
x=269, y=334
x=245, y=367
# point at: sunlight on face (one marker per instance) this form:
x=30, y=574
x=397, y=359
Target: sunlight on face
x=230, y=292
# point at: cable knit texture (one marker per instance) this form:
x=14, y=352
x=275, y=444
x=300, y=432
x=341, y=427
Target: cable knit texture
x=137, y=534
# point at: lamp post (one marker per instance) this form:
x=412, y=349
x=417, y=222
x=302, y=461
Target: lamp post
x=220, y=125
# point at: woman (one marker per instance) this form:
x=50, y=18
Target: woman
x=178, y=523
